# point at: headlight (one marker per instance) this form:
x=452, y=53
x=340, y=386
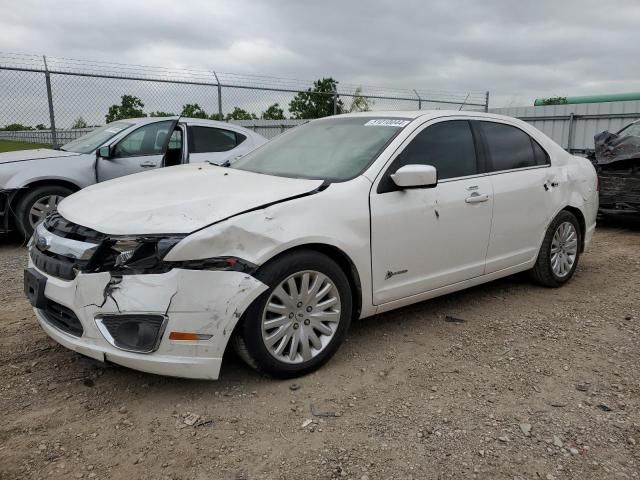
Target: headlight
x=134, y=255
x=146, y=255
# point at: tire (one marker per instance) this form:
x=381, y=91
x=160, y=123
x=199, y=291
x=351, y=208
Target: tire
x=544, y=272
x=24, y=217
x=292, y=317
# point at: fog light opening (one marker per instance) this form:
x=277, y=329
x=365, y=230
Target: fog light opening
x=134, y=333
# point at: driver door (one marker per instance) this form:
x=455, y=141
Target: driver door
x=427, y=238
x=141, y=150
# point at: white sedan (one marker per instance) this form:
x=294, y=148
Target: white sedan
x=341, y=218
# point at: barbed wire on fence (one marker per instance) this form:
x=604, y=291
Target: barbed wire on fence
x=38, y=93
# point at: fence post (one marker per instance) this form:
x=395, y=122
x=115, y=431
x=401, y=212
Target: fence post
x=486, y=101
x=419, y=99
x=219, y=96
x=570, y=135
x=335, y=100
x=52, y=118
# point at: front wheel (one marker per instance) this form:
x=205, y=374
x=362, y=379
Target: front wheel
x=300, y=321
x=560, y=251
x=36, y=204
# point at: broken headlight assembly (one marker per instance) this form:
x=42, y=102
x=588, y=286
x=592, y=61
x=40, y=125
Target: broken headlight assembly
x=146, y=255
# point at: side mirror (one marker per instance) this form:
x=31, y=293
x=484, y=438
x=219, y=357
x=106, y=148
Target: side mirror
x=415, y=176
x=104, y=152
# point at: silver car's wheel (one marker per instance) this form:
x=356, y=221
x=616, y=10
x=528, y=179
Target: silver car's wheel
x=564, y=249
x=301, y=317
x=42, y=207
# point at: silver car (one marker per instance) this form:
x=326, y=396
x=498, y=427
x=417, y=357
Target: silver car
x=33, y=182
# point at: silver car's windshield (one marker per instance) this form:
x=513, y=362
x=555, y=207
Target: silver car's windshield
x=334, y=148
x=91, y=141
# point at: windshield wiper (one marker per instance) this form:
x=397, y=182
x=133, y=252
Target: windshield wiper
x=225, y=164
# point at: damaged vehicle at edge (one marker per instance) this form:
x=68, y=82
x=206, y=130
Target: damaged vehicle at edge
x=617, y=162
x=343, y=217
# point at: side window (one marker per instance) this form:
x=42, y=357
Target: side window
x=448, y=146
x=175, y=142
x=146, y=140
x=209, y=139
x=509, y=147
x=542, y=157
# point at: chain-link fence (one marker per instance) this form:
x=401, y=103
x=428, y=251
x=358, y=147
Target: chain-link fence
x=53, y=100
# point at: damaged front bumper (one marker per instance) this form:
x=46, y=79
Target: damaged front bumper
x=197, y=311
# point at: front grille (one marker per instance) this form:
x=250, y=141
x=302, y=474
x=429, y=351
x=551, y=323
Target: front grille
x=62, y=318
x=60, y=226
x=56, y=265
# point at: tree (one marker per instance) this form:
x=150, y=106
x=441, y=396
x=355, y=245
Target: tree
x=15, y=127
x=130, y=107
x=360, y=103
x=79, y=123
x=555, y=101
x=216, y=116
x=161, y=114
x=193, y=110
x=240, y=114
x=41, y=126
x=318, y=101
x=274, y=112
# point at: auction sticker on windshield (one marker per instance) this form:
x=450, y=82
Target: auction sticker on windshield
x=387, y=122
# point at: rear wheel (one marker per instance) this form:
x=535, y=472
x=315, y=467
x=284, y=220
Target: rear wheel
x=301, y=320
x=36, y=204
x=560, y=251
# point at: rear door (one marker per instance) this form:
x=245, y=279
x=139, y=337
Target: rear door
x=426, y=238
x=524, y=187
x=215, y=145
x=141, y=150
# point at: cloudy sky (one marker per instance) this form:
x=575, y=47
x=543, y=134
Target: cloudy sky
x=518, y=50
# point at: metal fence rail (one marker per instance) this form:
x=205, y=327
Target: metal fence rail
x=574, y=126
x=55, y=94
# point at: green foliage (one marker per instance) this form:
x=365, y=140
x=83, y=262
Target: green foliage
x=555, y=101
x=11, y=146
x=193, y=110
x=130, y=107
x=41, y=126
x=274, y=112
x=216, y=116
x=15, y=127
x=318, y=101
x=79, y=123
x=161, y=114
x=240, y=114
x=360, y=103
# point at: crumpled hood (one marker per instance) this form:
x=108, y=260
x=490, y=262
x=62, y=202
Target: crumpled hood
x=176, y=199
x=35, y=154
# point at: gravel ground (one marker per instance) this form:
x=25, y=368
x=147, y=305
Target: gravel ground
x=506, y=380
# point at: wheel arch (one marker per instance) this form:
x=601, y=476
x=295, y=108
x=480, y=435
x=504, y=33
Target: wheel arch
x=581, y=221
x=22, y=191
x=344, y=262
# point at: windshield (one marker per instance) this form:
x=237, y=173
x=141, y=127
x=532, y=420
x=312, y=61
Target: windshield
x=91, y=141
x=632, y=130
x=334, y=148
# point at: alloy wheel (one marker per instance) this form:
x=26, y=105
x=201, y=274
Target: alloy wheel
x=301, y=317
x=564, y=249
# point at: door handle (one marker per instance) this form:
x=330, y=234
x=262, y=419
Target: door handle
x=477, y=198
x=148, y=164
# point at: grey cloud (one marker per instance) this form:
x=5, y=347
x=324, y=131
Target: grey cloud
x=517, y=50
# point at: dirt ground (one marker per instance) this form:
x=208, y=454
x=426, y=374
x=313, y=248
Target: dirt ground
x=527, y=383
